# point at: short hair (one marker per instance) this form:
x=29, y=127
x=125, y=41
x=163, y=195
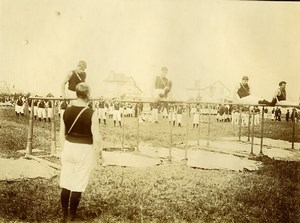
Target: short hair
x=82, y=90
x=281, y=83
x=245, y=78
x=164, y=69
x=82, y=64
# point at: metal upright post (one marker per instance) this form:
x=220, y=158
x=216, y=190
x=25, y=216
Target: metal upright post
x=30, y=131
x=249, y=120
x=123, y=136
x=171, y=138
x=53, y=133
x=187, y=136
x=198, y=124
x=252, y=137
x=262, y=131
x=208, y=132
x=240, y=123
x=138, y=128
x=294, y=126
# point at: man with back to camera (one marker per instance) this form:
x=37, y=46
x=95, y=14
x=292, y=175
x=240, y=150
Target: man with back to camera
x=73, y=78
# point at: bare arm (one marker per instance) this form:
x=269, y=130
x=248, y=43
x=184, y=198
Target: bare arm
x=170, y=84
x=66, y=80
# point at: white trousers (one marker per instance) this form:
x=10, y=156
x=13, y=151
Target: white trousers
x=78, y=161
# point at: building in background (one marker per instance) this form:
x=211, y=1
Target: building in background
x=5, y=88
x=122, y=86
x=216, y=92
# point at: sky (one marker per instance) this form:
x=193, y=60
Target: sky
x=41, y=41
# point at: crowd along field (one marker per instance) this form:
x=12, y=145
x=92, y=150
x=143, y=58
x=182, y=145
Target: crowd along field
x=168, y=193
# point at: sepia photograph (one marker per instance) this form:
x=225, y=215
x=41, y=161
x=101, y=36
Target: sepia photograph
x=138, y=111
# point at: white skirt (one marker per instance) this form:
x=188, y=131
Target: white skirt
x=78, y=161
x=179, y=118
x=196, y=118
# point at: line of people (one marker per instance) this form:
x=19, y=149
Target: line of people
x=293, y=116
x=113, y=109
x=245, y=117
x=42, y=109
x=108, y=109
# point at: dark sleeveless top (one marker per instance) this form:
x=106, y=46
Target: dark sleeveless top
x=282, y=95
x=155, y=105
x=49, y=103
x=81, y=131
x=116, y=106
x=41, y=104
x=19, y=102
x=161, y=83
x=63, y=105
x=179, y=110
x=74, y=80
x=101, y=104
x=244, y=90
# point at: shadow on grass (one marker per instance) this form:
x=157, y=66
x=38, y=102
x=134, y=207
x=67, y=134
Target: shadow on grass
x=277, y=197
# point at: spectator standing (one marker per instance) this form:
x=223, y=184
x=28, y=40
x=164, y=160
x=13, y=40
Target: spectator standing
x=278, y=114
x=49, y=110
x=41, y=110
x=179, y=115
x=273, y=117
x=196, y=116
x=172, y=114
x=101, y=110
x=116, y=112
x=155, y=112
x=294, y=115
x=19, y=106
x=287, y=115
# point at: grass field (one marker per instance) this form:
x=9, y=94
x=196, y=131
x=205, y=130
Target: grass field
x=171, y=193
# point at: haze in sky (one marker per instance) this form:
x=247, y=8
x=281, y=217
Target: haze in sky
x=42, y=40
